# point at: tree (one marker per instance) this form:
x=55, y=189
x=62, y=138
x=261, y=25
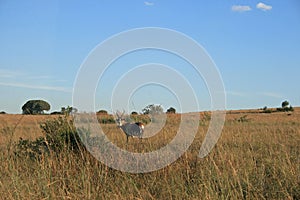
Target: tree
x=265, y=108
x=285, y=104
x=102, y=112
x=33, y=107
x=152, y=110
x=134, y=113
x=286, y=107
x=55, y=113
x=67, y=111
x=171, y=110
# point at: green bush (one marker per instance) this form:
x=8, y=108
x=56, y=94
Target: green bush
x=106, y=119
x=285, y=109
x=60, y=135
x=102, y=112
x=267, y=111
x=243, y=119
x=32, y=149
x=141, y=118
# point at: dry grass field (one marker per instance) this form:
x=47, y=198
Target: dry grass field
x=256, y=157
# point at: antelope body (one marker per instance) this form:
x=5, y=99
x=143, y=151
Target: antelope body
x=130, y=129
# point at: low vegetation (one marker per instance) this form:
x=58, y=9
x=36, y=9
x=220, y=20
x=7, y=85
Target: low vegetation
x=257, y=157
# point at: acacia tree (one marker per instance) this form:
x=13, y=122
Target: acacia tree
x=171, y=110
x=102, y=112
x=152, y=109
x=68, y=110
x=134, y=113
x=33, y=107
x=285, y=104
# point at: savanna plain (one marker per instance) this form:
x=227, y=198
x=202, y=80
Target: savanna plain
x=256, y=157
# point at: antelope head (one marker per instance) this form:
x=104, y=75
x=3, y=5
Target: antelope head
x=120, y=118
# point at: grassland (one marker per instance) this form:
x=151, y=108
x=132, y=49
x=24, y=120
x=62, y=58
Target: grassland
x=257, y=157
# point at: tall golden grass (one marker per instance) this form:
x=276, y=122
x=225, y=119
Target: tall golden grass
x=255, y=158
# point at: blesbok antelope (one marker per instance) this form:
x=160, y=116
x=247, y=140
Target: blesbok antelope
x=130, y=129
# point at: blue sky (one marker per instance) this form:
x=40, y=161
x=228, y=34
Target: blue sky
x=254, y=44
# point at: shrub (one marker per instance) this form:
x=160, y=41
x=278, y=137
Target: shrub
x=32, y=149
x=206, y=116
x=285, y=109
x=267, y=111
x=60, y=135
x=243, y=118
x=141, y=118
x=107, y=119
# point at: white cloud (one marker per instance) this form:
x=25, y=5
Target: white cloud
x=45, y=77
x=240, y=8
x=40, y=87
x=5, y=73
x=243, y=94
x=234, y=93
x=272, y=94
x=147, y=3
x=25, y=80
x=39, y=77
x=263, y=6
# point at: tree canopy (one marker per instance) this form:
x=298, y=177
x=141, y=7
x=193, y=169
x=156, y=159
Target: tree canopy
x=102, y=112
x=68, y=110
x=171, y=110
x=285, y=104
x=152, y=109
x=33, y=107
x=134, y=113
